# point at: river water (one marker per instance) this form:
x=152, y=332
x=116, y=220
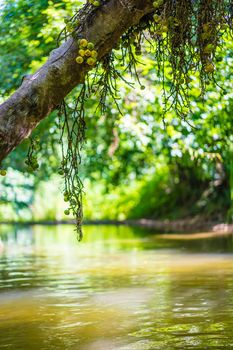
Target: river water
x=121, y=288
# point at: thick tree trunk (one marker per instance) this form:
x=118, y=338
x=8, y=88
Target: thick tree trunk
x=43, y=91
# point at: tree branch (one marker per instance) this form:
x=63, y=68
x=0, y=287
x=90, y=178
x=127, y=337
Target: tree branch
x=41, y=93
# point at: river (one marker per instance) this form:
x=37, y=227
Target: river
x=121, y=288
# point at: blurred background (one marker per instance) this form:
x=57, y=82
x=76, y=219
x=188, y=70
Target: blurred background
x=123, y=287
x=133, y=165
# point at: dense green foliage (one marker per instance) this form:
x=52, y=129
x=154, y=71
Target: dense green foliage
x=138, y=163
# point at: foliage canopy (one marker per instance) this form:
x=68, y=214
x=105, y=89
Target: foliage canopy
x=180, y=55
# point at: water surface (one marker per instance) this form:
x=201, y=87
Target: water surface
x=120, y=289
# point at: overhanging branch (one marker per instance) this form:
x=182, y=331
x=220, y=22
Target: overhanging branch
x=43, y=91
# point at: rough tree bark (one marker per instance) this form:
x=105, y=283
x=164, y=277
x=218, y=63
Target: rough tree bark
x=43, y=91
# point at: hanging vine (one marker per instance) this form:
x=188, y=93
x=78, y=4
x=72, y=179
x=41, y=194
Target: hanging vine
x=180, y=34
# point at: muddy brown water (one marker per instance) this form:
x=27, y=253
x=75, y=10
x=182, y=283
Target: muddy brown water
x=122, y=288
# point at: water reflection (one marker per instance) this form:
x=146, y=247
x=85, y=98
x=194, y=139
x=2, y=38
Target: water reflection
x=121, y=288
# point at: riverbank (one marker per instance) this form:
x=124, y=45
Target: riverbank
x=190, y=225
